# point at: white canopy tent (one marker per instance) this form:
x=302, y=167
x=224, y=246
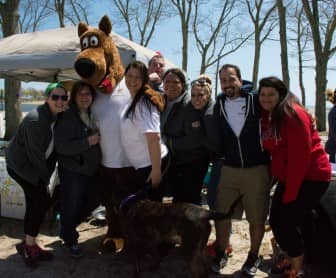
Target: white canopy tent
x=49, y=55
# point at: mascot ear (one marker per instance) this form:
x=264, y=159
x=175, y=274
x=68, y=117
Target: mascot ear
x=105, y=25
x=82, y=27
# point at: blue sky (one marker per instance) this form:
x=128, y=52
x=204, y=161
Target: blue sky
x=167, y=39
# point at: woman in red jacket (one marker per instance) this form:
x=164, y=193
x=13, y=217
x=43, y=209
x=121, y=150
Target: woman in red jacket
x=299, y=163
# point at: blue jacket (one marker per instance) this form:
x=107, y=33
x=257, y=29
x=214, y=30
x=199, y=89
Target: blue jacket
x=244, y=150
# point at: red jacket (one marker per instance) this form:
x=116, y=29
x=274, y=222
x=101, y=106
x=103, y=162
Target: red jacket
x=297, y=153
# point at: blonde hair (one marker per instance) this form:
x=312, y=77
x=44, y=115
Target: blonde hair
x=330, y=95
x=203, y=81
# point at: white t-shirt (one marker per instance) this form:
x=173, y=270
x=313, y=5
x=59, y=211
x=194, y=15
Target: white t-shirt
x=235, y=110
x=106, y=110
x=133, y=130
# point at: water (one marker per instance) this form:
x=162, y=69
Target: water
x=25, y=107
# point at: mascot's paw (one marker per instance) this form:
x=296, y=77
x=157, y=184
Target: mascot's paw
x=155, y=98
x=112, y=245
x=106, y=86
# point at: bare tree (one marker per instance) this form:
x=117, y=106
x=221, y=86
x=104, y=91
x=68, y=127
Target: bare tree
x=32, y=14
x=72, y=11
x=140, y=17
x=215, y=40
x=300, y=38
x=261, y=14
x=184, y=9
x=9, y=19
x=321, y=16
x=283, y=41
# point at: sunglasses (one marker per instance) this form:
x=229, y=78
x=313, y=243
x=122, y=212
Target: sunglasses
x=57, y=97
x=199, y=82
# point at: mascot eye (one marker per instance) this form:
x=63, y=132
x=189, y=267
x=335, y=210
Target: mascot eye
x=85, y=43
x=94, y=41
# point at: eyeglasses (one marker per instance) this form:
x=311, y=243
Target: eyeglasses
x=57, y=97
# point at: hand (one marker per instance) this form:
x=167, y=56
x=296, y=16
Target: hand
x=154, y=78
x=93, y=139
x=155, y=178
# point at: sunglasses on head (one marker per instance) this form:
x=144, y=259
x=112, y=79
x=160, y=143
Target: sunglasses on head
x=57, y=97
x=199, y=82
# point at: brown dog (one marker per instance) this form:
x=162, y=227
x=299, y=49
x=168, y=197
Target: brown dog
x=147, y=225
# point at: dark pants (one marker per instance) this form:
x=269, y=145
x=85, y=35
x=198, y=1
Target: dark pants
x=288, y=220
x=115, y=184
x=186, y=180
x=78, y=199
x=157, y=193
x=37, y=204
x=213, y=182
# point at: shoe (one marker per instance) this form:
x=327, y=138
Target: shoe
x=291, y=273
x=75, y=251
x=33, y=254
x=281, y=267
x=251, y=264
x=211, y=249
x=219, y=262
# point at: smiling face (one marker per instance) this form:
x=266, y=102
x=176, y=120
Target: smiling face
x=157, y=65
x=83, y=99
x=172, y=86
x=57, y=100
x=268, y=98
x=230, y=83
x=134, y=80
x=199, y=97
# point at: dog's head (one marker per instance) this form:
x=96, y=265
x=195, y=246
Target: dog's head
x=99, y=61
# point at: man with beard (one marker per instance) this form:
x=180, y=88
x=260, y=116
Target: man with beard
x=245, y=165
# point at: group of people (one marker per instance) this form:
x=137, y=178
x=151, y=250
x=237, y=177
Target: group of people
x=155, y=136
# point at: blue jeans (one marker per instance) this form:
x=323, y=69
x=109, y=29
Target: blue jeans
x=78, y=199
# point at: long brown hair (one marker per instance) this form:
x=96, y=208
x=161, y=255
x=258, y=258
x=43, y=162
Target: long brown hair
x=141, y=67
x=287, y=101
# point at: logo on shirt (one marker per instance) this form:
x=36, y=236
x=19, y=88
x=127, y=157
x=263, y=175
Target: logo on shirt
x=196, y=124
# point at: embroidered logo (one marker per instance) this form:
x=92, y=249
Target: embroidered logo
x=196, y=124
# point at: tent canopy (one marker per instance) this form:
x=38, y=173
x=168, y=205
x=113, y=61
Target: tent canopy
x=49, y=55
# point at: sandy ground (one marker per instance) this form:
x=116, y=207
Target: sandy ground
x=95, y=263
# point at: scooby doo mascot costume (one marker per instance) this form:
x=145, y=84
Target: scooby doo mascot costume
x=99, y=64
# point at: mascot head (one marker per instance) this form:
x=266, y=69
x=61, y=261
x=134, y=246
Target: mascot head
x=99, y=61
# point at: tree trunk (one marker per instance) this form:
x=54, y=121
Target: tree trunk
x=185, y=33
x=320, y=103
x=12, y=107
x=302, y=88
x=283, y=42
x=10, y=19
x=257, y=46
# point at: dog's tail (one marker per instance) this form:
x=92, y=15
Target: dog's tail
x=215, y=215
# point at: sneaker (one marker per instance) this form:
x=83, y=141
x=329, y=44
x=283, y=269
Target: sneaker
x=43, y=255
x=251, y=264
x=219, y=262
x=33, y=254
x=291, y=273
x=75, y=251
x=211, y=249
x=281, y=267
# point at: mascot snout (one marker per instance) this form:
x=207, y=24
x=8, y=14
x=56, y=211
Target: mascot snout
x=85, y=67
